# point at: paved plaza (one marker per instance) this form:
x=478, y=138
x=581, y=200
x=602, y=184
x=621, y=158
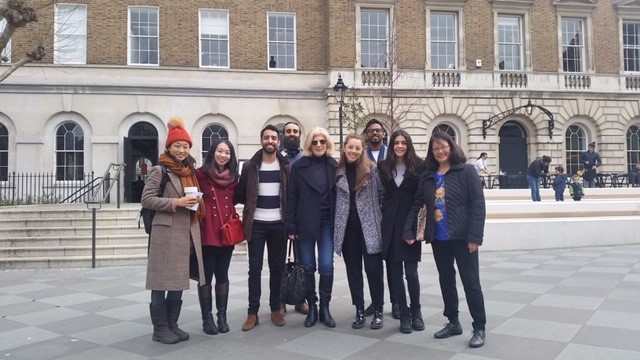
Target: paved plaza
x=580, y=303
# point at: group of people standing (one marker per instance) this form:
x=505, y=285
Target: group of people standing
x=363, y=207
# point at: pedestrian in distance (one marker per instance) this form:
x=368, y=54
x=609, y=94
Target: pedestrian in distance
x=575, y=188
x=175, y=233
x=218, y=178
x=559, y=183
x=538, y=167
x=454, y=199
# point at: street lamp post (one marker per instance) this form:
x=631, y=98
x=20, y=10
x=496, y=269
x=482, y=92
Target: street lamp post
x=339, y=90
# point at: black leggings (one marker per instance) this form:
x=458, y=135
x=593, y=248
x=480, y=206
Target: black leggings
x=216, y=261
x=159, y=296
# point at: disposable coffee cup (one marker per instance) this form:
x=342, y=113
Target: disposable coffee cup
x=191, y=191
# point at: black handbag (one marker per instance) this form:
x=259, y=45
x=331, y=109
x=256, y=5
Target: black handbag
x=293, y=286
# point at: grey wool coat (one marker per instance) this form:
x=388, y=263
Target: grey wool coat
x=368, y=203
x=168, y=263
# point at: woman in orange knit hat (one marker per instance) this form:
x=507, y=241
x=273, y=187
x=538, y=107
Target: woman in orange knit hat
x=175, y=232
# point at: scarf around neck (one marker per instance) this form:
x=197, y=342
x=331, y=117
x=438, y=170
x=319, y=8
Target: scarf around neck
x=187, y=178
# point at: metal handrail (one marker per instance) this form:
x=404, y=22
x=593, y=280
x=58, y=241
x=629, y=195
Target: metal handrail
x=101, y=197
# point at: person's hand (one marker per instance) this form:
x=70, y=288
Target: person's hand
x=187, y=201
x=473, y=247
x=410, y=241
x=594, y=167
x=293, y=237
x=586, y=163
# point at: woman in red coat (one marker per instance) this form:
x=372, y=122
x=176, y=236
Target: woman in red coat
x=218, y=178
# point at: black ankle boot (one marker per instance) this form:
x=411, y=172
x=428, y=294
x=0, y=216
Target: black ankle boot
x=417, y=323
x=312, y=315
x=405, y=322
x=358, y=321
x=376, y=322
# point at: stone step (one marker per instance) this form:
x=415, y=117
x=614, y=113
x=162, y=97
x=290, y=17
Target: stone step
x=67, y=221
x=75, y=250
x=69, y=210
x=69, y=231
x=71, y=261
x=51, y=241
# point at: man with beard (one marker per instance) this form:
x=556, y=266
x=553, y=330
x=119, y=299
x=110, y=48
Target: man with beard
x=292, y=152
x=375, y=133
x=377, y=151
x=262, y=190
x=291, y=142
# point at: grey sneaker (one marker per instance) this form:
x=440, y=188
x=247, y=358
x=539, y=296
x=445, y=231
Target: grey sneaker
x=450, y=329
x=477, y=340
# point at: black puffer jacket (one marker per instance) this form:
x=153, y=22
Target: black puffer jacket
x=464, y=199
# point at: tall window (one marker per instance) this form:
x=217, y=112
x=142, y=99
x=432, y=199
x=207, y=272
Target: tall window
x=631, y=45
x=444, y=40
x=143, y=36
x=575, y=145
x=282, y=41
x=4, y=153
x=70, y=43
x=573, y=45
x=211, y=133
x=509, y=42
x=214, y=38
x=447, y=129
x=69, y=152
x=5, y=55
x=374, y=38
x=633, y=146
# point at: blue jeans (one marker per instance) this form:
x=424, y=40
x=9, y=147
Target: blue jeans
x=307, y=249
x=534, y=185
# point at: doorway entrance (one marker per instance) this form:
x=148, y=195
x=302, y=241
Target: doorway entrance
x=513, y=155
x=140, y=154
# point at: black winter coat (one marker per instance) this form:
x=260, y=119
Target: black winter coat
x=464, y=199
x=303, y=211
x=396, y=205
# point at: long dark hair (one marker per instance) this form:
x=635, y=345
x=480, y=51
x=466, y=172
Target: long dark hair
x=411, y=159
x=456, y=156
x=209, y=163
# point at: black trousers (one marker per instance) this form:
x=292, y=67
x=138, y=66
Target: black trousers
x=444, y=254
x=354, y=252
x=216, y=261
x=273, y=236
x=413, y=284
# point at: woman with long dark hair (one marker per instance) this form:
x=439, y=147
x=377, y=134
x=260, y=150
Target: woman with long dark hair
x=357, y=234
x=400, y=173
x=452, y=193
x=175, y=231
x=218, y=178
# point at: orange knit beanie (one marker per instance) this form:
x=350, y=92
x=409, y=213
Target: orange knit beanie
x=177, y=132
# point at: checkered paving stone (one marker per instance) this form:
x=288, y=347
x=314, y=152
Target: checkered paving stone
x=581, y=303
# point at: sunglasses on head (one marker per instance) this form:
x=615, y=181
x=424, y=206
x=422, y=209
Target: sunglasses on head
x=316, y=142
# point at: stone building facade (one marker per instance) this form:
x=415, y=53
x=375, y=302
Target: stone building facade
x=117, y=70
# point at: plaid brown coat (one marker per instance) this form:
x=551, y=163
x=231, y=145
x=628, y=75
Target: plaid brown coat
x=168, y=263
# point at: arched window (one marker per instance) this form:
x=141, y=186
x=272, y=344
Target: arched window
x=447, y=129
x=69, y=152
x=575, y=145
x=4, y=153
x=211, y=133
x=633, y=146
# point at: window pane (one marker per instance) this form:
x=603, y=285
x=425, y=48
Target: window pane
x=575, y=145
x=70, y=36
x=572, y=45
x=443, y=40
x=143, y=36
x=282, y=41
x=69, y=152
x=631, y=45
x=374, y=38
x=510, y=42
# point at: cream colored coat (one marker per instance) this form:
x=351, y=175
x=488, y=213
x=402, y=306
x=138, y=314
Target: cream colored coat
x=168, y=263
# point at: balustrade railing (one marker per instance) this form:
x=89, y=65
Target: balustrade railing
x=42, y=188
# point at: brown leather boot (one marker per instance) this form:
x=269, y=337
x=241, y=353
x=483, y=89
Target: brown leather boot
x=302, y=308
x=251, y=322
x=277, y=317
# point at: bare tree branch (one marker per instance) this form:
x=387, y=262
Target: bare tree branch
x=17, y=16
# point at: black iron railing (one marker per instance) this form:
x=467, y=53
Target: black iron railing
x=42, y=188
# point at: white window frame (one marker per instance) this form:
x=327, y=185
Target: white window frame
x=447, y=6
x=366, y=7
x=624, y=47
x=580, y=48
x=566, y=9
x=130, y=36
x=276, y=42
x=519, y=45
x=4, y=165
x=70, y=35
x=7, y=50
x=74, y=151
x=213, y=36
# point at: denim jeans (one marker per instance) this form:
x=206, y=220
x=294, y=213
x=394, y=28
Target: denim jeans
x=273, y=236
x=534, y=185
x=307, y=249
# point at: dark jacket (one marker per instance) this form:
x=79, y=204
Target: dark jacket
x=559, y=183
x=247, y=190
x=537, y=168
x=464, y=199
x=396, y=205
x=303, y=211
x=589, y=160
